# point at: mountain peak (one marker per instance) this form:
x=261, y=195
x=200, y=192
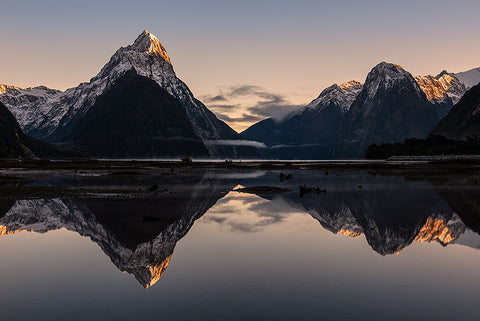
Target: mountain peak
x=389, y=68
x=350, y=84
x=341, y=95
x=387, y=75
x=444, y=72
x=147, y=42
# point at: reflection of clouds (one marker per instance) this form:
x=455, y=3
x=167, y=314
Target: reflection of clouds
x=248, y=213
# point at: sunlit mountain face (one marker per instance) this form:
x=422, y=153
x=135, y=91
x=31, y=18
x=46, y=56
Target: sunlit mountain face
x=139, y=235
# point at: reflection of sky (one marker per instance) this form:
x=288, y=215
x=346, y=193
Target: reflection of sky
x=246, y=213
x=246, y=259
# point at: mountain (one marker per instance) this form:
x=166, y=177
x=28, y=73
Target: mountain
x=464, y=118
x=390, y=108
x=443, y=90
x=310, y=133
x=15, y=144
x=469, y=78
x=52, y=115
x=135, y=118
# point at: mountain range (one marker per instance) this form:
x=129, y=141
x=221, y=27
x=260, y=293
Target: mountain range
x=344, y=120
x=389, y=215
x=136, y=107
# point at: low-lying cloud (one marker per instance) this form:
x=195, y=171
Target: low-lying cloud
x=243, y=118
x=232, y=142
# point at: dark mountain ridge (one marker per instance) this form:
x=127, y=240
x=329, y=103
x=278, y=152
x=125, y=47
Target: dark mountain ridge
x=136, y=118
x=464, y=118
x=311, y=133
x=15, y=144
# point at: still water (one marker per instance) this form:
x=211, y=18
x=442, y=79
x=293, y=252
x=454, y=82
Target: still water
x=373, y=247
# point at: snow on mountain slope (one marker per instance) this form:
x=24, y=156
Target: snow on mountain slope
x=341, y=95
x=42, y=113
x=386, y=76
x=50, y=115
x=444, y=88
x=469, y=78
x=28, y=105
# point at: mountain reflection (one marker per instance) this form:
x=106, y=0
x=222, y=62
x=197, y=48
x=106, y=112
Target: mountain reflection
x=140, y=235
x=392, y=212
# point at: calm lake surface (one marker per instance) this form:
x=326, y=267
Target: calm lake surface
x=375, y=246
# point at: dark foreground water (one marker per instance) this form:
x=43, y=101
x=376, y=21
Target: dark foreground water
x=374, y=247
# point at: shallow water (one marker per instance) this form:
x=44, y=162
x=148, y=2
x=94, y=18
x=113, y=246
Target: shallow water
x=386, y=247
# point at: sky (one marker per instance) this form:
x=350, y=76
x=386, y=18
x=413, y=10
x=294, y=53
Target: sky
x=246, y=60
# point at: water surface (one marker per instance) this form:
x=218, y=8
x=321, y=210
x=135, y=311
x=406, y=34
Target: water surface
x=387, y=247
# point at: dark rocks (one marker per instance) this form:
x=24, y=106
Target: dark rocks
x=304, y=190
x=284, y=177
x=263, y=190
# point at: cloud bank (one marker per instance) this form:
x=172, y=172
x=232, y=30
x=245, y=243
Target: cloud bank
x=227, y=142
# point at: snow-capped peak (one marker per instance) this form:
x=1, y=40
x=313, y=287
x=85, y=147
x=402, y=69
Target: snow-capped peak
x=386, y=75
x=341, y=95
x=147, y=42
x=386, y=69
x=350, y=84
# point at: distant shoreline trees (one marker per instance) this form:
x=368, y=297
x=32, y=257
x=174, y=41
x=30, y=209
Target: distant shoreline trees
x=433, y=145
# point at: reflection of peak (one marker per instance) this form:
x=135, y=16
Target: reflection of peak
x=4, y=230
x=350, y=233
x=156, y=271
x=440, y=229
x=390, y=218
x=150, y=274
x=140, y=247
x=146, y=261
x=337, y=221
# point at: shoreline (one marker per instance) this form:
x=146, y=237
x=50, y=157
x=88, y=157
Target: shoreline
x=119, y=176
x=404, y=162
